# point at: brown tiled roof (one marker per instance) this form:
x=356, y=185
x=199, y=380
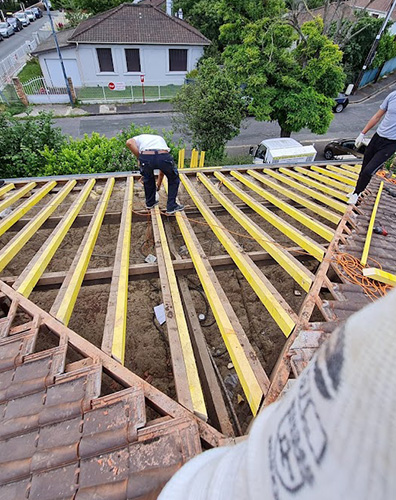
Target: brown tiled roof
x=154, y=3
x=137, y=24
x=49, y=44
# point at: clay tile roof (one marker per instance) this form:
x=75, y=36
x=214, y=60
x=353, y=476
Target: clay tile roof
x=137, y=24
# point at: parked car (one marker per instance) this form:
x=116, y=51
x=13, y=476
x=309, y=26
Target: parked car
x=341, y=102
x=6, y=30
x=31, y=15
x=1, y=37
x=23, y=18
x=15, y=23
x=37, y=12
x=344, y=147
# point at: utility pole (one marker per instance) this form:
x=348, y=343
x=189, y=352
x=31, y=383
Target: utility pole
x=373, y=50
x=59, y=53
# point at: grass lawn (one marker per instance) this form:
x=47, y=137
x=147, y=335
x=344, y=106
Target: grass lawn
x=102, y=93
x=30, y=70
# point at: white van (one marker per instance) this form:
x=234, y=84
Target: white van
x=282, y=150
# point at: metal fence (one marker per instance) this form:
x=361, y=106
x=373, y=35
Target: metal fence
x=101, y=93
x=38, y=92
x=15, y=61
x=388, y=67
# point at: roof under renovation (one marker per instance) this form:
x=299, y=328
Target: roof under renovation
x=130, y=341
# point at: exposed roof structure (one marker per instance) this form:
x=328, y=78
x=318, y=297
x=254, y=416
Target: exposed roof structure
x=100, y=399
x=137, y=24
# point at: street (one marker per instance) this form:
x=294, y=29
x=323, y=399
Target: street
x=10, y=45
x=344, y=125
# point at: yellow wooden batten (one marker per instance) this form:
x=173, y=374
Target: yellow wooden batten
x=285, y=318
x=343, y=171
x=15, y=196
x=369, y=234
x=16, y=244
x=333, y=175
x=322, y=178
x=380, y=275
x=29, y=277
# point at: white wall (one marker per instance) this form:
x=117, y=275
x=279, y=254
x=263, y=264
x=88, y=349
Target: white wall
x=154, y=62
x=53, y=78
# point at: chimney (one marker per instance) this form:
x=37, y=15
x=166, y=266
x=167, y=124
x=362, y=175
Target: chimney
x=169, y=7
x=180, y=14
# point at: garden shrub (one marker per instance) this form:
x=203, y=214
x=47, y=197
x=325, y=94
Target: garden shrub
x=21, y=144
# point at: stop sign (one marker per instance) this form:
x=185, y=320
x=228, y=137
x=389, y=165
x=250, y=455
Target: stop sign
x=111, y=86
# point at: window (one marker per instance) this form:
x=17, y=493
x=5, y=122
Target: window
x=177, y=59
x=132, y=57
x=105, y=60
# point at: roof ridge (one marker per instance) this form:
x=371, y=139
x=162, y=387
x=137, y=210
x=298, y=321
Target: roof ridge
x=181, y=22
x=109, y=13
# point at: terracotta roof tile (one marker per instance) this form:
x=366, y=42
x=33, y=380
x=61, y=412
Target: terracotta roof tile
x=56, y=484
x=137, y=24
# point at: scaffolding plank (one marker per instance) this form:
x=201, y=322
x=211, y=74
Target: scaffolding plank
x=317, y=185
x=6, y=188
x=315, y=226
x=289, y=263
x=21, y=238
x=334, y=175
x=314, y=207
x=275, y=304
x=188, y=385
x=15, y=196
x=369, y=233
x=250, y=372
x=64, y=303
x=114, y=334
x=340, y=207
x=342, y=170
x=19, y=212
x=31, y=274
x=324, y=179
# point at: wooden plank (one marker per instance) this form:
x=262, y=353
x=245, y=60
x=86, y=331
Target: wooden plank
x=15, y=245
x=326, y=180
x=314, y=207
x=275, y=304
x=188, y=385
x=31, y=274
x=114, y=335
x=16, y=196
x=369, y=234
x=19, y=212
x=342, y=178
x=351, y=168
x=149, y=271
x=315, y=226
x=281, y=371
x=327, y=200
x=343, y=171
x=6, y=188
x=159, y=401
x=217, y=410
x=64, y=303
x=380, y=275
x=289, y=263
x=317, y=185
x=251, y=374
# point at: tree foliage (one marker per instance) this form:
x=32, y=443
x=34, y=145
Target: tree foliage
x=293, y=86
x=211, y=109
x=88, y=6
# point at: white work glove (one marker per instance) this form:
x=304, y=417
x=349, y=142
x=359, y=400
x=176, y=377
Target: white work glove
x=359, y=140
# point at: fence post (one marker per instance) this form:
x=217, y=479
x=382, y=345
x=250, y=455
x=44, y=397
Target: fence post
x=72, y=90
x=104, y=93
x=20, y=92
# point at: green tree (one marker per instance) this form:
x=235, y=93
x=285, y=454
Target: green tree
x=211, y=109
x=89, y=6
x=293, y=86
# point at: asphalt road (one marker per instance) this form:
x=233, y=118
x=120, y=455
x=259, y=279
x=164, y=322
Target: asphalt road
x=344, y=125
x=10, y=45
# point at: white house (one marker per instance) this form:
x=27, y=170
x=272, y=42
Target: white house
x=122, y=44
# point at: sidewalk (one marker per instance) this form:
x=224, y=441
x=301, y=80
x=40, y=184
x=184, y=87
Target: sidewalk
x=59, y=110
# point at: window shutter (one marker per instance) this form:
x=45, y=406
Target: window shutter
x=177, y=59
x=105, y=59
x=132, y=57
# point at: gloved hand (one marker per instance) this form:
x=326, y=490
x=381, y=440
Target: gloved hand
x=359, y=140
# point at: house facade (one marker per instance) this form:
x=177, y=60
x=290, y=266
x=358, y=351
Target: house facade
x=123, y=44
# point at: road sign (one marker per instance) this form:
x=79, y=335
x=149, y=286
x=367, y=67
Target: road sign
x=142, y=78
x=119, y=86
x=111, y=86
